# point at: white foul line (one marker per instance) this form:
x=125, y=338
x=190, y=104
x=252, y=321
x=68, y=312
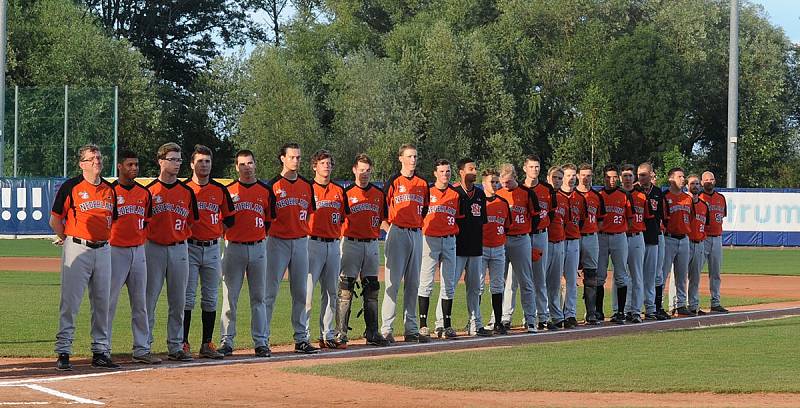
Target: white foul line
x=63, y=395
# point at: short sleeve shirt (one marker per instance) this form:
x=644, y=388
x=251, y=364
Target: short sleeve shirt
x=252, y=204
x=367, y=209
x=87, y=210
x=294, y=202
x=174, y=212
x=133, y=213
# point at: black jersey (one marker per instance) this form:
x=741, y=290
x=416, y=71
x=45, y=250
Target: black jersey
x=469, y=241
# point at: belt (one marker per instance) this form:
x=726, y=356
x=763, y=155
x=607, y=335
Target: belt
x=361, y=239
x=203, y=243
x=90, y=244
x=321, y=239
x=676, y=236
x=696, y=242
x=612, y=233
x=515, y=235
x=538, y=231
x=633, y=234
x=446, y=236
x=589, y=234
x=247, y=242
x=571, y=239
x=409, y=228
x=714, y=236
x=555, y=242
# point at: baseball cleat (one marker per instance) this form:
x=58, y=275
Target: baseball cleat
x=101, y=360
x=697, y=312
x=389, y=337
x=448, y=333
x=332, y=344
x=618, y=318
x=62, y=364
x=209, y=350
x=180, y=355
x=424, y=331
x=225, y=349
x=661, y=314
x=377, y=340
x=531, y=328
x=416, y=338
x=719, y=309
x=439, y=332
x=506, y=324
x=650, y=316
x=481, y=332
x=146, y=359
x=682, y=311
x=500, y=328
x=570, y=323
x=263, y=351
x=305, y=347
x=187, y=348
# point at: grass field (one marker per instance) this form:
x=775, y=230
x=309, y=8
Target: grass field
x=31, y=301
x=744, y=358
x=760, y=261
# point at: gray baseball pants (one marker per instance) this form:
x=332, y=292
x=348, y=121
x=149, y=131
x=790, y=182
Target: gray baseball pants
x=324, y=264
x=291, y=254
x=128, y=267
x=635, y=296
x=590, y=248
x=204, y=265
x=403, y=250
x=238, y=261
x=83, y=267
x=713, y=252
x=520, y=274
x=438, y=251
x=359, y=258
x=676, y=258
x=494, y=263
x=555, y=268
x=170, y=263
x=697, y=258
x=538, y=277
x=572, y=253
x=473, y=276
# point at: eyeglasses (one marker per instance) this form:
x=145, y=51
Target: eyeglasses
x=644, y=174
x=177, y=160
x=91, y=159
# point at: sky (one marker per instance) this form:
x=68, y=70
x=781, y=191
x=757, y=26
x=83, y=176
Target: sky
x=784, y=13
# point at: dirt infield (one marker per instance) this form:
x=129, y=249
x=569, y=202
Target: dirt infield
x=243, y=380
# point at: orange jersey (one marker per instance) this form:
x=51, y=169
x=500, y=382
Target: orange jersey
x=367, y=210
x=717, y=210
x=640, y=210
x=443, y=209
x=524, y=208
x=215, y=208
x=700, y=220
x=407, y=199
x=252, y=204
x=577, y=214
x=616, y=210
x=546, y=196
x=174, y=212
x=556, y=232
x=87, y=210
x=133, y=213
x=498, y=221
x=594, y=211
x=294, y=201
x=677, y=213
x=327, y=220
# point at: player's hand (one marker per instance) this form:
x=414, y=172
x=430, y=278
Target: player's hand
x=58, y=241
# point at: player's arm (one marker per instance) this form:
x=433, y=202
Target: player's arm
x=484, y=215
x=601, y=209
x=708, y=213
x=227, y=209
x=59, y=211
x=388, y=195
x=426, y=199
x=553, y=203
x=534, y=210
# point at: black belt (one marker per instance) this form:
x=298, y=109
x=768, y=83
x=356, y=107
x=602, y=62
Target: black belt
x=251, y=243
x=676, y=236
x=555, y=242
x=571, y=239
x=515, y=235
x=90, y=244
x=444, y=236
x=714, y=236
x=361, y=239
x=409, y=228
x=611, y=233
x=633, y=234
x=695, y=242
x=589, y=234
x=539, y=231
x=321, y=239
x=203, y=243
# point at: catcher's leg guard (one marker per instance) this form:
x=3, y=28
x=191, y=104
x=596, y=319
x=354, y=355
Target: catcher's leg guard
x=370, y=293
x=343, y=303
x=590, y=293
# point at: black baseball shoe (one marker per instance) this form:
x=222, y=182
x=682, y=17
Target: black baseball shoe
x=719, y=309
x=305, y=347
x=618, y=318
x=62, y=364
x=500, y=328
x=263, y=351
x=101, y=360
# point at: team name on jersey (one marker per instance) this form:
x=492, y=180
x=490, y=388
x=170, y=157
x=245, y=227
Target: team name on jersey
x=591, y=209
x=700, y=217
x=615, y=209
x=402, y=198
x=364, y=207
x=214, y=208
x=519, y=209
x=712, y=207
x=442, y=209
x=131, y=209
x=673, y=208
x=94, y=204
x=249, y=206
x=169, y=207
x=495, y=219
x=329, y=204
x=544, y=205
x=561, y=211
x=286, y=202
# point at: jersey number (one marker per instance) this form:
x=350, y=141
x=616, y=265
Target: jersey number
x=637, y=217
x=451, y=220
x=140, y=223
x=303, y=215
x=336, y=218
x=519, y=218
x=180, y=225
x=214, y=219
x=375, y=221
x=501, y=230
x=259, y=222
x=617, y=219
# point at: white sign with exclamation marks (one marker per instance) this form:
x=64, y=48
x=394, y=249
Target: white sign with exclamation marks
x=36, y=202
x=21, y=203
x=5, y=203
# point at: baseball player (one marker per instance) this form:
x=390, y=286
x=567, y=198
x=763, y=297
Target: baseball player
x=525, y=212
x=592, y=291
x=246, y=254
x=128, y=266
x=82, y=214
x=718, y=209
x=546, y=196
x=636, y=246
x=469, y=245
x=613, y=242
x=362, y=228
x=677, y=220
x=324, y=251
x=439, y=249
x=216, y=214
x=166, y=253
x=498, y=221
x=653, y=245
x=407, y=199
x=555, y=249
x=697, y=243
x=576, y=217
x=287, y=244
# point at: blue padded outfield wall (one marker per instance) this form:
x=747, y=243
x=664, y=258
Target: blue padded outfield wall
x=756, y=217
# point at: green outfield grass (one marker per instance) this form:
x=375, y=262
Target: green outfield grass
x=745, y=358
x=31, y=318
x=767, y=261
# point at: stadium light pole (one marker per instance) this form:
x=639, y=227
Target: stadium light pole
x=733, y=93
x=2, y=87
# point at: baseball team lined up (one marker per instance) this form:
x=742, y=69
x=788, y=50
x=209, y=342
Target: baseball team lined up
x=524, y=236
